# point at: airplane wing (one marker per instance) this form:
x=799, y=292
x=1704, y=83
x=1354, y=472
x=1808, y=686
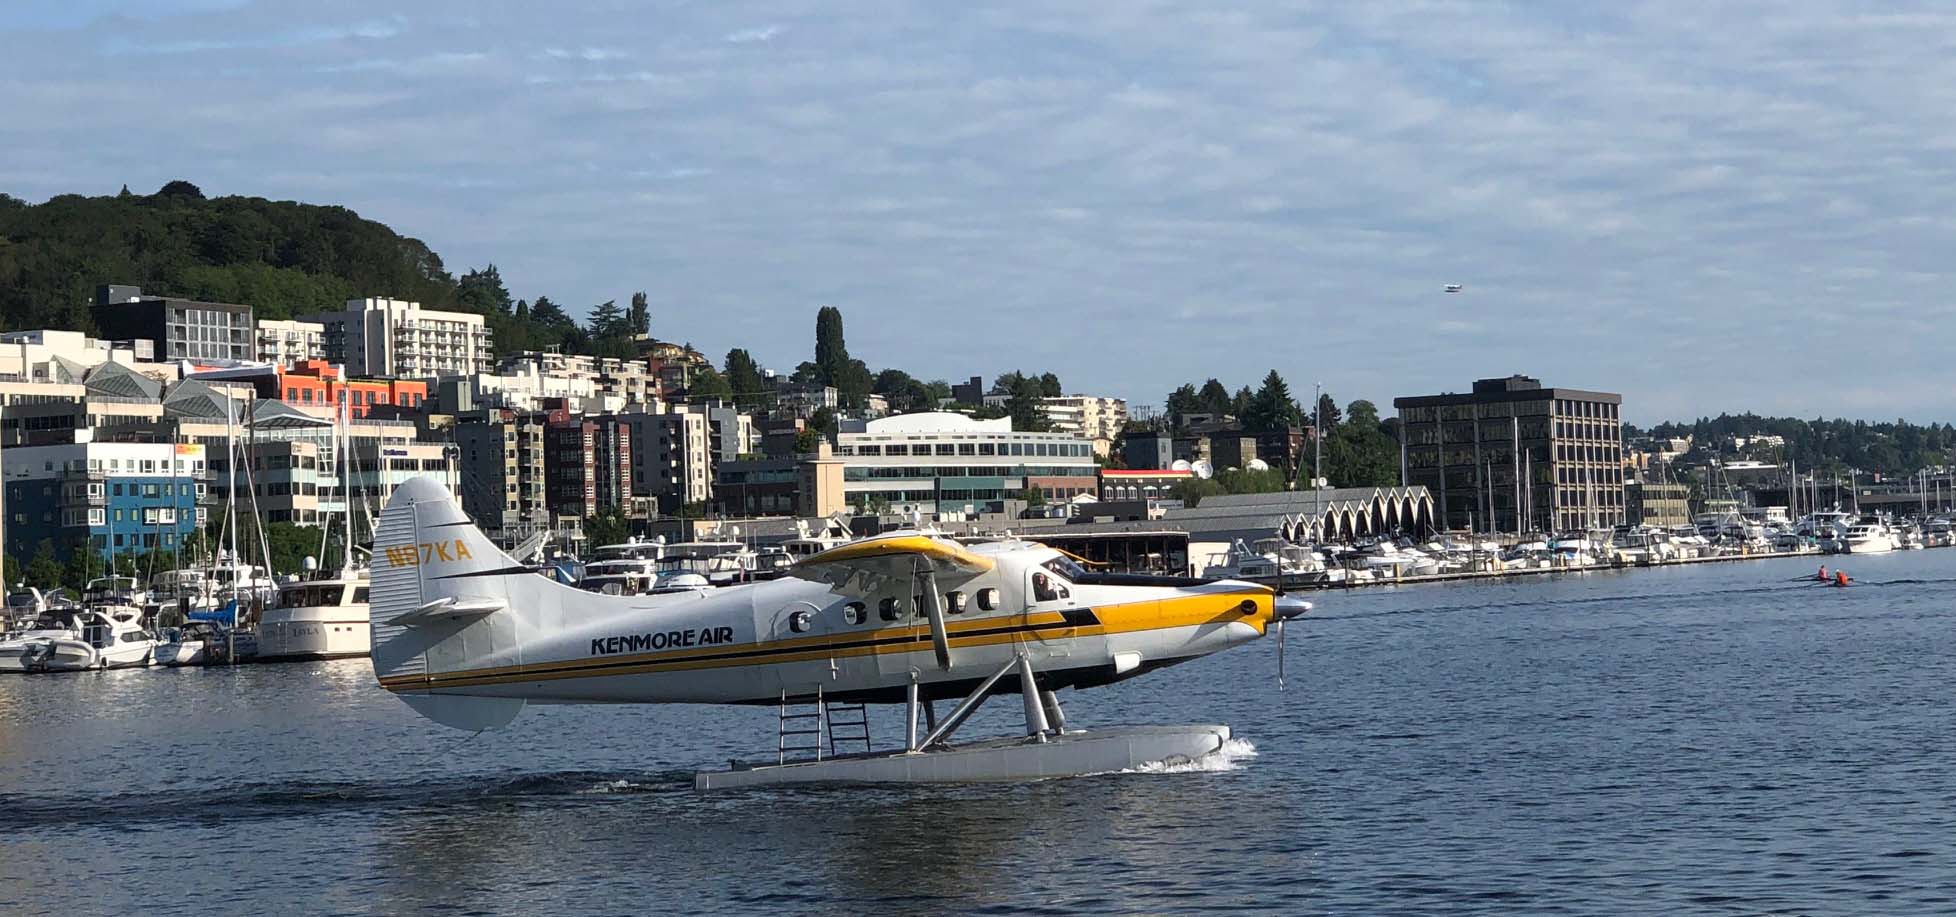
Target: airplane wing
x=858, y=568
x=864, y=567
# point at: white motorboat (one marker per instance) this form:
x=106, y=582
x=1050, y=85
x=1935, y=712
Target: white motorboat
x=1239, y=562
x=112, y=637
x=18, y=646
x=1870, y=538
x=195, y=643
x=317, y=619
x=631, y=568
x=114, y=591
x=807, y=543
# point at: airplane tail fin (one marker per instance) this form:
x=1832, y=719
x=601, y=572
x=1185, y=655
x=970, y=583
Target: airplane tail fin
x=440, y=602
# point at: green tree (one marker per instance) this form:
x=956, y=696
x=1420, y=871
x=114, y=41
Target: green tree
x=707, y=384
x=745, y=379
x=1272, y=407
x=1022, y=402
x=1033, y=496
x=831, y=352
x=904, y=393
x=1214, y=397
x=1359, y=452
x=606, y=528
x=939, y=391
x=640, y=317
x=1182, y=402
x=43, y=570
x=808, y=441
x=1049, y=386
x=823, y=421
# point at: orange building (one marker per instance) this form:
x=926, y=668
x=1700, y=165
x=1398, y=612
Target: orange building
x=319, y=383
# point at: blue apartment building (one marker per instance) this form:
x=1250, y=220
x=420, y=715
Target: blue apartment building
x=117, y=498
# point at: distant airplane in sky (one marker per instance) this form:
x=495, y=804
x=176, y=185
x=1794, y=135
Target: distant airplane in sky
x=1451, y=288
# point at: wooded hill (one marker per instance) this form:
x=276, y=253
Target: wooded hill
x=280, y=257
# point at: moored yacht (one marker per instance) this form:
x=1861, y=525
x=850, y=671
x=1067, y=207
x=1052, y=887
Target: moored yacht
x=1870, y=537
x=623, y=569
x=112, y=637
x=16, y=647
x=195, y=643
x=323, y=618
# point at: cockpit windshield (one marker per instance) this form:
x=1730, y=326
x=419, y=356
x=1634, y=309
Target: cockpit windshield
x=1065, y=567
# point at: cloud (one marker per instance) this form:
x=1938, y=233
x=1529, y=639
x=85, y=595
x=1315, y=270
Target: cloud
x=1679, y=201
x=745, y=36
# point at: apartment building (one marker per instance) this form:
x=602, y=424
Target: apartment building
x=177, y=329
x=291, y=342
x=378, y=336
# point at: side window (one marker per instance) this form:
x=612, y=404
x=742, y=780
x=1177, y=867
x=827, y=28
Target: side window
x=954, y=603
x=855, y=613
x=988, y=599
x=890, y=609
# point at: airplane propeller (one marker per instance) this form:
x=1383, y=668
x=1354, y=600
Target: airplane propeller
x=940, y=637
x=1283, y=608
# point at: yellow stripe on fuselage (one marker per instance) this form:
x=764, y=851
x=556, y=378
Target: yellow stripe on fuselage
x=1131, y=617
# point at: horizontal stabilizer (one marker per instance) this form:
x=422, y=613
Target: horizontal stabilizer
x=450, y=608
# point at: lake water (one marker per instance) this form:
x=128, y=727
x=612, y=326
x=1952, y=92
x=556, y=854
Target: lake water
x=1714, y=739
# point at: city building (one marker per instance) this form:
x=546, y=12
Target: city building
x=177, y=329
x=503, y=481
x=290, y=342
x=1148, y=449
x=672, y=457
x=803, y=485
x=1514, y=456
x=971, y=393
x=587, y=465
x=377, y=336
x=318, y=384
x=1656, y=504
x=944, y=462
x=114, y=498
x=47, y=355
x=1140, y=483
x=1089, y=417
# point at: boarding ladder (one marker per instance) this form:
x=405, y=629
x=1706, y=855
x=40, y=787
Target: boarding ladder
x=820, y=728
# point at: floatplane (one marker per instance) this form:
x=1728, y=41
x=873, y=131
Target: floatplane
x=468, y=637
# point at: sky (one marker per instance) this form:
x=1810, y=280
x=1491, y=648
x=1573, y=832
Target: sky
x=1704, y=206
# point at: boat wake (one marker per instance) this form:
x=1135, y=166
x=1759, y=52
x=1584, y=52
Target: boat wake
x=1233, y=755
x=303, y=798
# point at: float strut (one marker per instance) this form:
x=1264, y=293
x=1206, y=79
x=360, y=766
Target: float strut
x=1054, y=714
x=910, y=716
x=1036, y=726
x=966, y=707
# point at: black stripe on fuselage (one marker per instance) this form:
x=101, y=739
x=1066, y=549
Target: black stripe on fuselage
x=1085, y=618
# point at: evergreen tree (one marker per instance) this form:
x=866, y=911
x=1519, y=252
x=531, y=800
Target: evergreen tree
x=607, y=320
x=641, y=314
x=1272, y=408
x=831, y=353
x=707, y=384
x=745, y=379
x=1049, y=386
x=1214, y=397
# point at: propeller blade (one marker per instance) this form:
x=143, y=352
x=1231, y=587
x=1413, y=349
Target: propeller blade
x=940, y=637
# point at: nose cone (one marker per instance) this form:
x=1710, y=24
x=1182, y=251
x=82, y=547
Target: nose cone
x=1289, y=606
